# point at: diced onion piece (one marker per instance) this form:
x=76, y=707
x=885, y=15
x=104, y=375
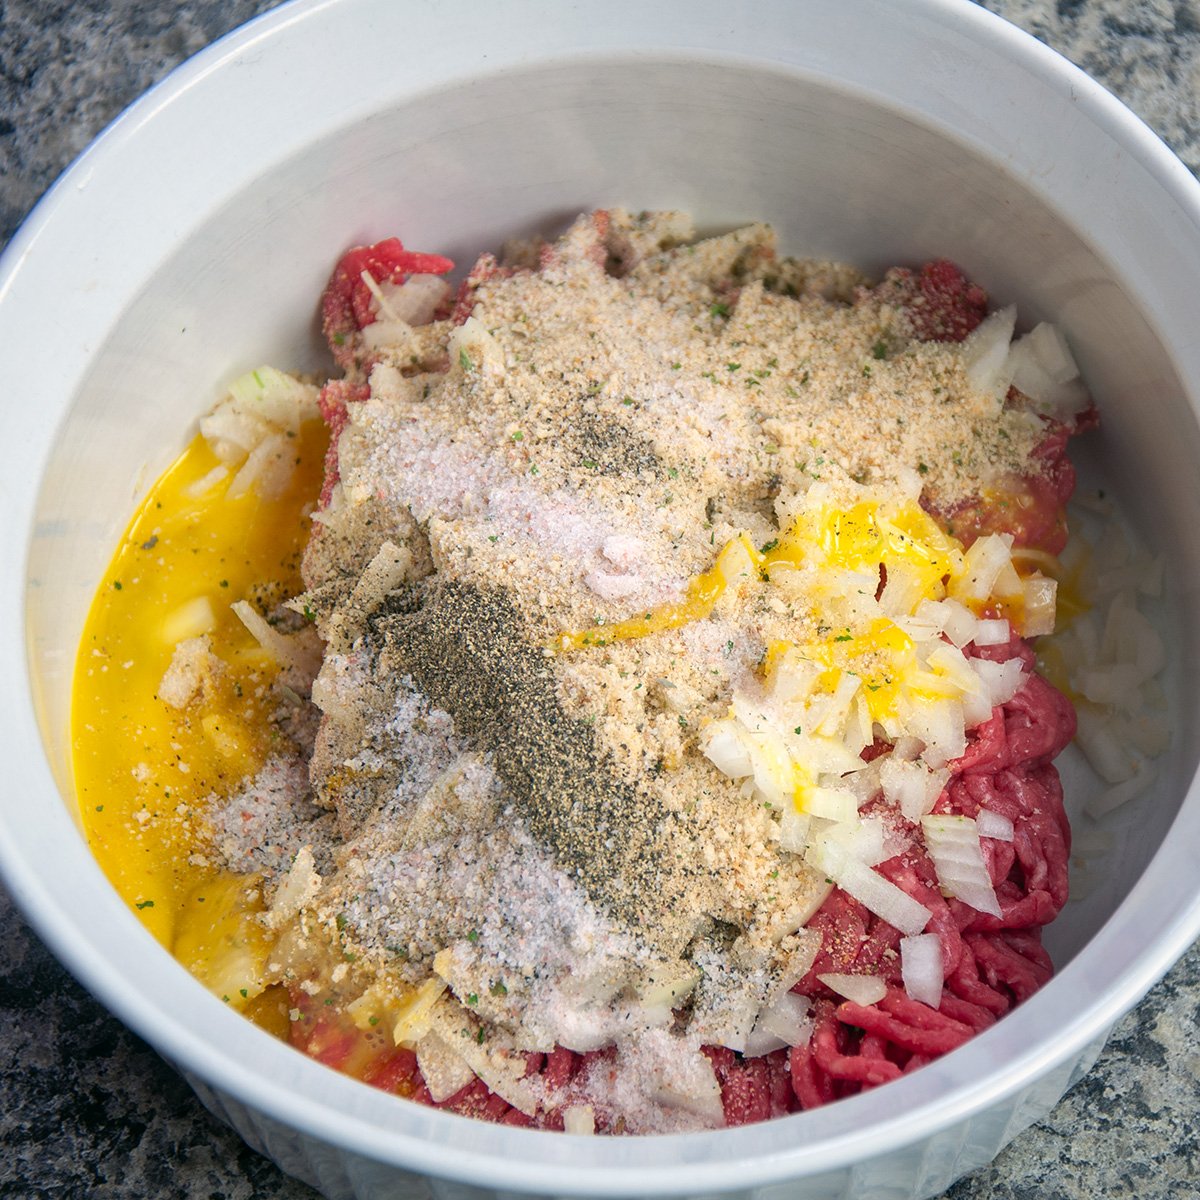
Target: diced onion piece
x=953, y=844
x=416, y=1013
x=922, y=968
x=579, y=1119
x=298, y=888
x=231, y=434
x=858, y=733
x=881, y=896
x=1043, y=368
x=941, y=726
x=992, y=632
x=191, y=619
x=903, y=591
x=787, y=1018
x=659, y=988
x=950, y=663
x=994, y=825
x=863, y=840
x=958, y=622
x=500, y=1080
x=833, y=804
x=268, y=469
x=1001, y=680
x=839, y=705
x=861, y=989
x=416, y=300
x=910, y=785
x=389, y=332
x=689, y=1082
x=1112, y=683
x=275, y=397
x=1150, y=654
x=473, y=348
x=444, y=1071
x=907, y=749
x=865, y=782
x=793, y=678
x=793, y=829
x=760, y=1041
x=301, y=651
x=985, y=352
x=982, y=566
x=726, y=749
x=1039, y=596
x=206, y=483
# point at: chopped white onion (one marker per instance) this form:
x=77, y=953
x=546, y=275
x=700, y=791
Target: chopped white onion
x=688, y=1082
x=231, y=435
x=983, y=564
x=301, y=651
x=881, y=896
x=994, y=825
x=958, y=622
x=473, y=348
x=922, y=968
x=832, y=804
x=1001, y=680
x=861, y=989
x=206, y=483
x=985, y=352
x=759, y=1042
x=1039, y=599
x=793, y=829
x=268, y=469
x=444, y=1071
x=865, y=783
x=784, y=1022
x=387, y=332
x=1112, y=683
x=1041, y=366
x=279, y=399
x=911, y=786
x=861, y=840
x=953, y=844
x=191, y=619
x=992, y=632
x=725, y=748
x=941, y=727
x=416, y=300
x=579, y=1119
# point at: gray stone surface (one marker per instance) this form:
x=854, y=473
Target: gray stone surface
x=88, y=1110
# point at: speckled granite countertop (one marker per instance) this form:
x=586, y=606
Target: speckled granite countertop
x=88, y=1110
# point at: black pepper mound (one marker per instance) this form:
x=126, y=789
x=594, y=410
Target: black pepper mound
x=463, y=648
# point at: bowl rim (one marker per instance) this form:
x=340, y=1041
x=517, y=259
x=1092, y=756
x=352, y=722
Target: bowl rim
x=441, y=1144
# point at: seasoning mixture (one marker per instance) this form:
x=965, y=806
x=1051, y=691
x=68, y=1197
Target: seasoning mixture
x=655, y=743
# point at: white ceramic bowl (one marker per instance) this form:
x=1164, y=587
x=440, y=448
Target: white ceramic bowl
x=193, y=240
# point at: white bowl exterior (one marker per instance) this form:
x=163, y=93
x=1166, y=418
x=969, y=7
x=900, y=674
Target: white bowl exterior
x=924, y=1168
x=868, y=131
